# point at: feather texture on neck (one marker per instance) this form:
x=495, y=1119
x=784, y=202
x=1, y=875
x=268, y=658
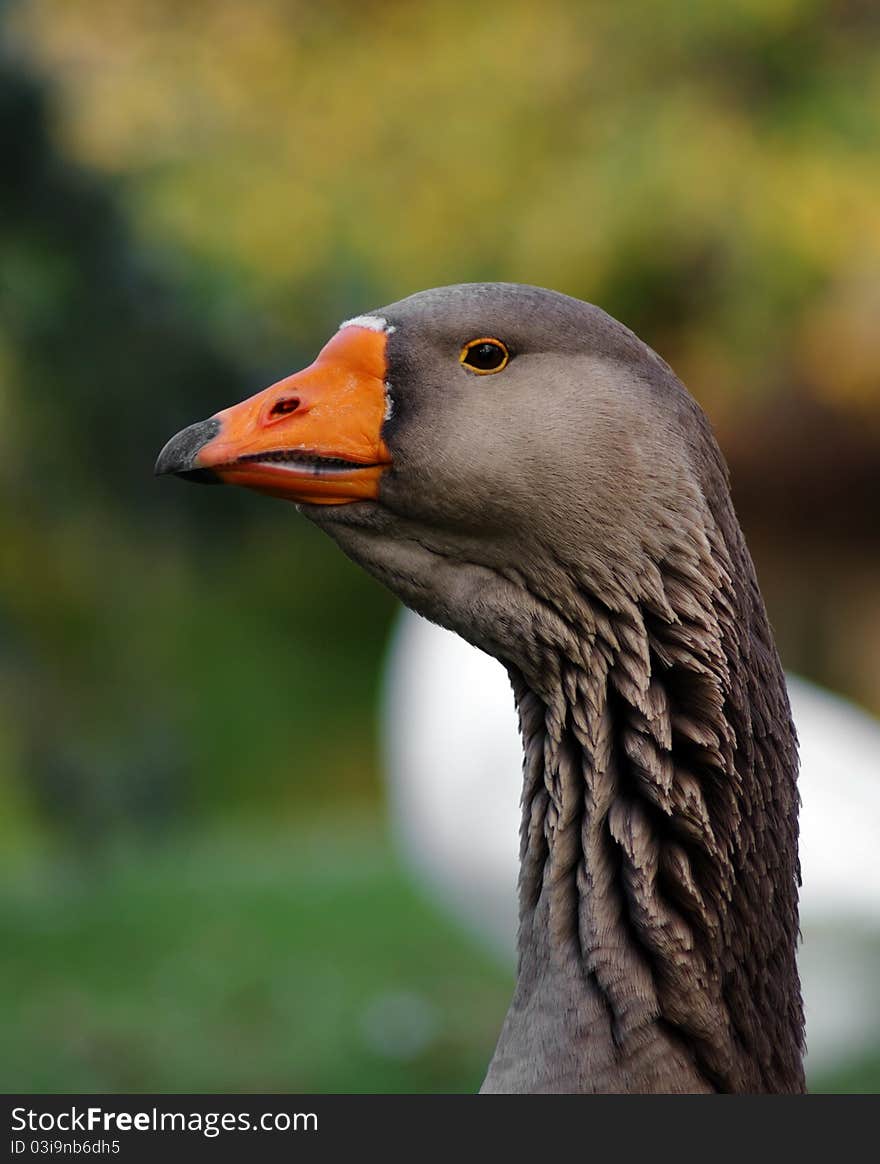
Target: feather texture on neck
x=659, y=869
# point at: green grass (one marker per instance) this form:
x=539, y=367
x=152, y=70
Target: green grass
x=860, y=1077
x=298, y=960
x=289, y=959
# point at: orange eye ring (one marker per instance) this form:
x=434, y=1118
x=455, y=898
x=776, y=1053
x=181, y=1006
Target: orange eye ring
x=484, y=356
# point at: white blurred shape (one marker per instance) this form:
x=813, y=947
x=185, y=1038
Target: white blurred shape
x=453, y=760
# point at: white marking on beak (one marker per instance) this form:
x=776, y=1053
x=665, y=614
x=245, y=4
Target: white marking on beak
x=370, y=322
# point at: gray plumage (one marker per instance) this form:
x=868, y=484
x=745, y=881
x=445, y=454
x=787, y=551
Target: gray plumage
x=572, y=517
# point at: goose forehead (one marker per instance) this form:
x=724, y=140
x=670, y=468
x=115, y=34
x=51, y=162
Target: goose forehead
x=527, y=317
x=461, y=300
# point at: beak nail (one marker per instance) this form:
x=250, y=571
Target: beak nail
x=179, y=455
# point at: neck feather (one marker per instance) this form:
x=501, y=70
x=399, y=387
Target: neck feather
x=658, y=886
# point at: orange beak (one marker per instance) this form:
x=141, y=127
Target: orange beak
x=313, y=437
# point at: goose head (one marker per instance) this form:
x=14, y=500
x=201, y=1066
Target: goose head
x=481, y=449
x=520, y=468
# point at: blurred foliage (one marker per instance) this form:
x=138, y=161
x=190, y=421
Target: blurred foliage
x=126, y=644
x=191, y=197
x=708, y=172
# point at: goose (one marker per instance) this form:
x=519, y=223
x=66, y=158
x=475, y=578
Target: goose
x=453, y=794
x=519, y=467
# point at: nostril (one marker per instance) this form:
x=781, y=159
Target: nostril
x=284, y=406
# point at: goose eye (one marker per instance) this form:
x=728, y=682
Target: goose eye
x=484, y=356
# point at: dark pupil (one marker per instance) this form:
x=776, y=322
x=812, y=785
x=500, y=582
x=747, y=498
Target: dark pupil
x=485, y=356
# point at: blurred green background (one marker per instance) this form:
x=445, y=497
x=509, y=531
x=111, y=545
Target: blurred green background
x=199, y=892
